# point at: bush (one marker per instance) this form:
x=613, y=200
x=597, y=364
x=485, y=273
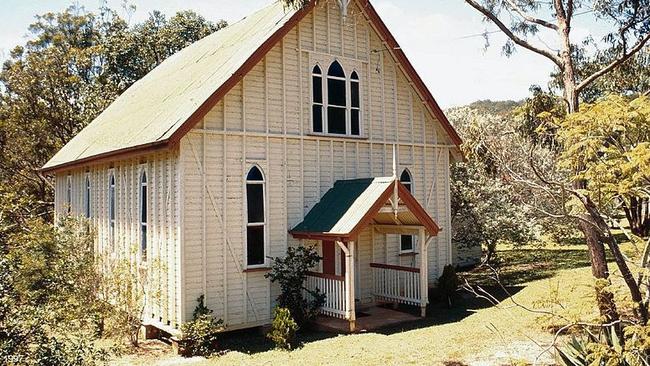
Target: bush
x=200, y=336
x=290, y=272
x=283, y=329
x=608, y=347
x=48, y=296
x=448, y=283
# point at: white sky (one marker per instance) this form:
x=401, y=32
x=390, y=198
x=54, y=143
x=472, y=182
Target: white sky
x=433, y=34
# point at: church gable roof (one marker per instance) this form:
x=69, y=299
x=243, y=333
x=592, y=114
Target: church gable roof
x=158, y=110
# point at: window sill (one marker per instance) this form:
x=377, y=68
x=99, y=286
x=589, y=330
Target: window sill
x=336, y=136
x=257, y=269
x=408, y=254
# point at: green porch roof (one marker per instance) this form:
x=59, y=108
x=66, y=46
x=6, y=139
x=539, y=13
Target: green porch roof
x=343, y=206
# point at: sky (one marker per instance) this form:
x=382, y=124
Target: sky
x=442, y=38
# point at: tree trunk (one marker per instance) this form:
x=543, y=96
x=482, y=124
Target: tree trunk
x=605, y=233
x=637, y=213
x=599, y=268
x=491, y=249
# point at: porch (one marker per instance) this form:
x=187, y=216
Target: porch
x=350, y=208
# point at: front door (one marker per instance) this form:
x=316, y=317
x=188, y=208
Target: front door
x=331, y=252
x=329, y=257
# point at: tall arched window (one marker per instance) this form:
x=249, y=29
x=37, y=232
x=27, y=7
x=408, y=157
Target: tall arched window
x=336, y=99
x=87, y=197
x=317, y=94
x=111, y=206
x=256, y=213
x=407, y=241
x=355, y=104
x=143, y=215
x=68, y=195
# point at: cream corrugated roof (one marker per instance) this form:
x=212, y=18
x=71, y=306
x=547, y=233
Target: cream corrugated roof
x=153, y=108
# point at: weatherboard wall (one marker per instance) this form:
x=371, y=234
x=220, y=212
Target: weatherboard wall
x=163, y=265
x=265, y=120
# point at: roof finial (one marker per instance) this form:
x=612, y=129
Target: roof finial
x=344, y=7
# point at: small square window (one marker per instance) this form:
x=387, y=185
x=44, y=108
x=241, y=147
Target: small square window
x=406, y=244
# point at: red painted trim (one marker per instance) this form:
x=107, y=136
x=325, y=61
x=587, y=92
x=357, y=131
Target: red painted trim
x=397, y=268
x=320, y=236
x=417, y=209
x=326, y=276
x=259, y=269
x=109, y=156
x=395, y=48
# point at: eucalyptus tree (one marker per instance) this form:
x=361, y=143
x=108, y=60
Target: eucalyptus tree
x=627, y=35
x=520, y=20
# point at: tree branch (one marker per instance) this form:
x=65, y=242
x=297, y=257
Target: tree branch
x=529, y=18
x=613, y=64
x=521, y=42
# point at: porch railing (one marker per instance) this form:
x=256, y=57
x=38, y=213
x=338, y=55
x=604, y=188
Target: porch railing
x=396, y=283
x=334, y=289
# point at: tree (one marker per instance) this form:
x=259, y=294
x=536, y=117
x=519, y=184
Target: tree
x=484, y=212
x=73, y=66
x=630, y=32
x=607, y=144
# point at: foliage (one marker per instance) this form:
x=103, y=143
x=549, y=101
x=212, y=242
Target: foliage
x=579, y=64
x=49, y=308
x=296, y=4
x=485, y=208
x=283, y=328
x=448, y=283
x=200, y=336
x=607, y=347
x=290, y=273
x=127, y=288
x=608, y=145
x=631, y=78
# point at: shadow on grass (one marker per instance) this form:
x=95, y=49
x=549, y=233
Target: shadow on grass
x=253, y=341
x=517, y=267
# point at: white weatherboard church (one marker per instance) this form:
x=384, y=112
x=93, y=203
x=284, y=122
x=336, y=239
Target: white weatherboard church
x=276, y=131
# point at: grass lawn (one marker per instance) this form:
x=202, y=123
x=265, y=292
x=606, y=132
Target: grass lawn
x=472, y=332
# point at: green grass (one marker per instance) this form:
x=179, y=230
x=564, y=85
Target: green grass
x=555, y=278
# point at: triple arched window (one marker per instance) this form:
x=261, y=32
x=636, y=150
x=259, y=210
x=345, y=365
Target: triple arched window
x=336, y=105
x=256, y=214
x=407, y=241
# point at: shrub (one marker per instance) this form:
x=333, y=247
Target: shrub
x=448, y=283
x=608, y=347
x=200, y=336
x=283, y=328
x=290, y=272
